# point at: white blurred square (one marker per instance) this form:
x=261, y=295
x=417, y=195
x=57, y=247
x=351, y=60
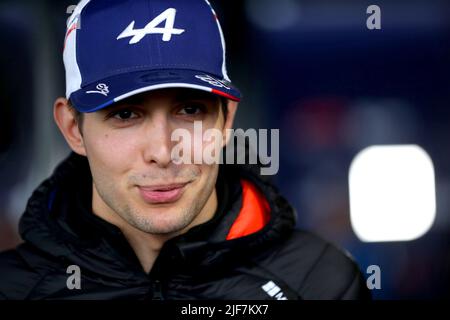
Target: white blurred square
x=392, y=193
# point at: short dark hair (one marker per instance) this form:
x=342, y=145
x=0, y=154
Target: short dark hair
x=78, y=115
x=224, y=105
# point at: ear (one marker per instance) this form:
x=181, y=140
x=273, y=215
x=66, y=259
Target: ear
x=67, y=124
x=232, y=108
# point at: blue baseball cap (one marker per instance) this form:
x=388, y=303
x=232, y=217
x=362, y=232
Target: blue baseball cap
x=115, y=49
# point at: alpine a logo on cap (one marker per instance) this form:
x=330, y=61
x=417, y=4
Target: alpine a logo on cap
x=152, y=28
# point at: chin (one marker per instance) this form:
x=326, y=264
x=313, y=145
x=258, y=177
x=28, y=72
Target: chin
x=162, y=228
x=160, y=220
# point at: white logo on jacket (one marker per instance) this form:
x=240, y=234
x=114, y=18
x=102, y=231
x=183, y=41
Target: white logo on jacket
x=274, y=291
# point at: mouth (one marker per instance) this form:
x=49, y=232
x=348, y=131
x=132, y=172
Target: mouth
x=162, y=194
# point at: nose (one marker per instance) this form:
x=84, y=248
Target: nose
x=156, y=141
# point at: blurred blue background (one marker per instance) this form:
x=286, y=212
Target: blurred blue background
x=310, y=68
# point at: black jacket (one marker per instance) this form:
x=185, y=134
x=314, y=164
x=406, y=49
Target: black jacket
x=276, y=262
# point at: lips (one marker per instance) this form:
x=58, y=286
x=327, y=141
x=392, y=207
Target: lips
x=162, y=194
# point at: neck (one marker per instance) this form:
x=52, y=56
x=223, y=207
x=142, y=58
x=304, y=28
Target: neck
x=145, y=245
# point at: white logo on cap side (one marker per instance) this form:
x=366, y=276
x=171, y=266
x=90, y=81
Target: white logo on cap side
x=212, y=81
x=102, y=89
x=151, y=28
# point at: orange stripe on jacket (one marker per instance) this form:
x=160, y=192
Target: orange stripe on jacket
x=254, y=214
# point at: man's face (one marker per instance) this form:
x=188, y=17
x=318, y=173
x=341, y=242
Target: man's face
x=129, y=147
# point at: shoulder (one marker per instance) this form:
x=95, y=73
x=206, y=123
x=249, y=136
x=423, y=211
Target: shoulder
x=316, y=269
x=19, y=273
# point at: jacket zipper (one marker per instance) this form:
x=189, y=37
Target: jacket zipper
x=157, y=292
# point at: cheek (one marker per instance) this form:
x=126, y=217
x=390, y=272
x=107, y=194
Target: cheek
x=201, y=189
x=109, y=154
x=201, y=142
x=209, y=178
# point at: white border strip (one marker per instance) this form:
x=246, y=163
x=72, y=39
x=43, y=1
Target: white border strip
x=73, y=73
x=222, y=39
x=162, y=86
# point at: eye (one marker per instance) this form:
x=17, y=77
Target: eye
x=192, y=109
x=124, y=115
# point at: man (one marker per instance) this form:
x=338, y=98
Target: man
x=121, y=217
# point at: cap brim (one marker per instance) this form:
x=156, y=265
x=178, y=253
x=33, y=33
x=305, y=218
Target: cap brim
x=106, y=92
